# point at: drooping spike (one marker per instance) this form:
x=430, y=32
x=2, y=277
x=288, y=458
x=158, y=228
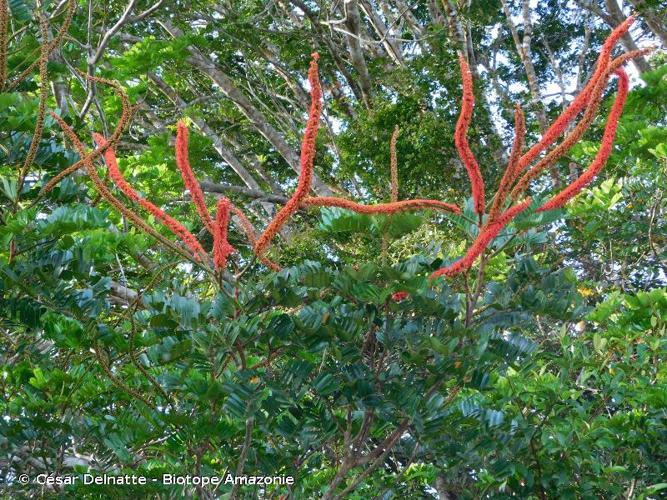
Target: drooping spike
x=126, y=114
x=221, y=247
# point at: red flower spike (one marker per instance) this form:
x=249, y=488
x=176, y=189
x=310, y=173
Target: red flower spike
x=221, y=247
x=381, y=208
x=461, y=140
x=114, y=171
x=580, y=102
x=398, y=296
x=513, y=182
x=510, y=171
x=169, y=222
x=189, y=178
x=578, y=131
x=486, y=235
x=307, y=160
x=601, y=157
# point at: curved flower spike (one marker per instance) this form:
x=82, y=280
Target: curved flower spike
x=603, y=153
x=221, y=247
x=307, y=160
x=172, y=224
x=461, y=139
x=107, y=195
x=510, y=172
x=189, y=178
x=575, y=134
x=580, y=102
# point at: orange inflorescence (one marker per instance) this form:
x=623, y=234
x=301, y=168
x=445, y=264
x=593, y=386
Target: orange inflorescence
x=461, y=139
x=499, y=217
x=107, y=195
x=221, y=247
x=486, y=235
x=114, y=171
x=578, y=131
x=588, y=101
x=510, y=171
x=580, y=102
x=603, y=154
x=307, y=160
x=189, y=178
x=381, y=208
x=172, y=224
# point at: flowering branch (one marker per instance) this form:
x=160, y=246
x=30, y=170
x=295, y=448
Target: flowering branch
x=107, y=195
x=576, y=134
x=588, y=101
x=189, y=177
x=490, y=226
x=600, y=159
x=580, y=102
x=512, y=165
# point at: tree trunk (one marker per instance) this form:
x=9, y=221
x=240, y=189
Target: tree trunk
x=353, y=24
x=618, y=17
x=656, y=21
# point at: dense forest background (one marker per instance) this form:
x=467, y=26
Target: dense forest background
x=333, y=358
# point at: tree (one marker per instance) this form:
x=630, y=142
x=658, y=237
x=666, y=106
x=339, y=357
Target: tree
x=148, y=331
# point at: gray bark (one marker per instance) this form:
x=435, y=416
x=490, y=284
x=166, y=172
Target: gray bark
x=522, y=45
x=256, y=118
x=618, y=17
x=353, y=23
x=656, y=21
x=388, y=40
